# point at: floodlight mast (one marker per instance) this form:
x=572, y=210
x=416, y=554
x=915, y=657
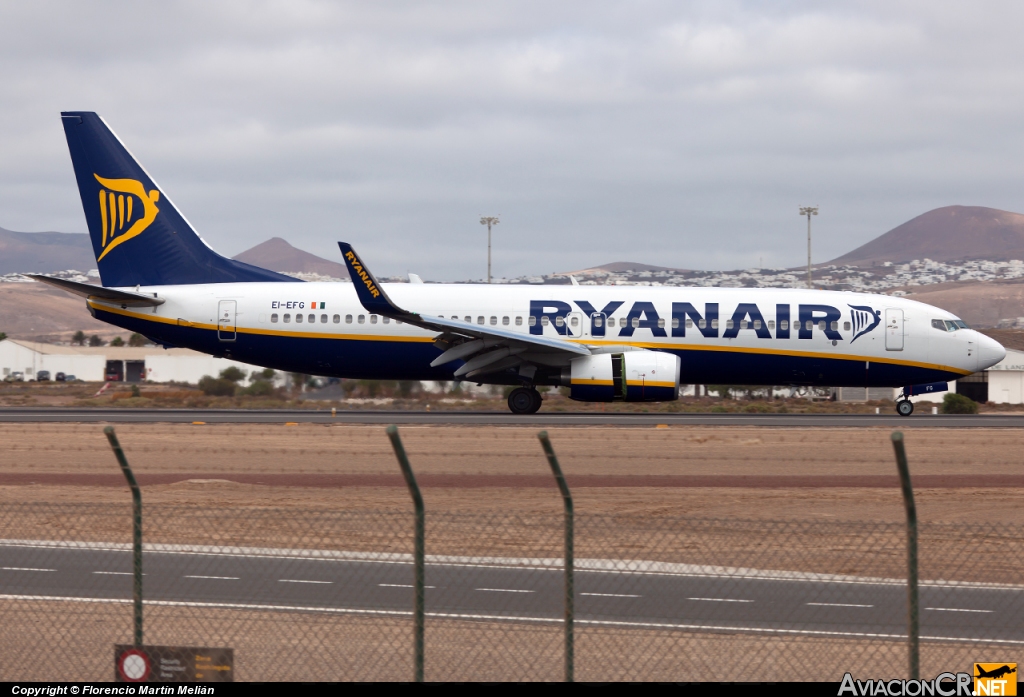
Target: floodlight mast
x=809, y=211
x=489, y=220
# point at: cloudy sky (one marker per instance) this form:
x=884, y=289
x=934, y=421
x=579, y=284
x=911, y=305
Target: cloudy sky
x=676, y=134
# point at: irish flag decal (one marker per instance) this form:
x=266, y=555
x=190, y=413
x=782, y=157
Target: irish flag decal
x=317, y=306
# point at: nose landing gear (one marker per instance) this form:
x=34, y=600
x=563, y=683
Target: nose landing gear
x=904, y=407
x=524, y=400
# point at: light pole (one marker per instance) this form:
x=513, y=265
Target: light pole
x=489, y=220
x=809, y=211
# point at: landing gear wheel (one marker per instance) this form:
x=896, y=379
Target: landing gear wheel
x=524, y=400
x=537, y=401
x=904, y=407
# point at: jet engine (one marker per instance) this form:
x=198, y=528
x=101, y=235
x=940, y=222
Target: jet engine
x=632, y=376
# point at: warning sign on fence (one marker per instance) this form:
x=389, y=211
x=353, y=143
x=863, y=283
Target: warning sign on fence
x=173, y=664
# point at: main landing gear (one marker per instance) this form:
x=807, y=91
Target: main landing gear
x=524, y=400
x=904, y=407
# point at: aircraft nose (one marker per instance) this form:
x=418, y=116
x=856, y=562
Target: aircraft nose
x=990, y=352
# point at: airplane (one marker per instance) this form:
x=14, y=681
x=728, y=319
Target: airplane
x=604, y=343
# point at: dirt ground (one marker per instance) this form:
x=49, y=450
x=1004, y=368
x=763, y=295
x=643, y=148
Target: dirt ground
x=206, y=457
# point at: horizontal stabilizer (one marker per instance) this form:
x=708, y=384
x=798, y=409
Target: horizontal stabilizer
x=87, y=290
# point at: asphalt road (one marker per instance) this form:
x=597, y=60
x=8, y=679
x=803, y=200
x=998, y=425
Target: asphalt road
x=500, y=418
x=754, y=603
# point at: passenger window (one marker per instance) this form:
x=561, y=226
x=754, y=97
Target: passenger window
x=337, y=319
x=661, y=323
x=809, y=325
x=744, y=324
x=287, y=318
x=298, y=319
x=469, y=319
x=834, y=326
x=544, y=321
x=373, y=319
x=636, y=323
x=362, y=319
x=494, y=321
x=519, y=321
x=323, y=319
x=574, y=321
x=504, y=321
x=273, y=318
x=598, y=322
x=846, y=326
x=784, y=325
x=714, y=324
x=479, y=320
x=689, y=323
x=559, y=321
x=821, y=326
x=348, y=319
x=729, y=324
x=312, y=319
x=675, y=323
x=771, y=324
x=533, y=321
x=757, y=324
x=387, y=320
x=702, y=324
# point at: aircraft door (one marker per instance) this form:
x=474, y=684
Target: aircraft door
x=893, y=329
x=598, y=321
x=226, y=329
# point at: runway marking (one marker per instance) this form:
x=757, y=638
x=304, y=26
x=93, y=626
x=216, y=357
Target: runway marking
x=722, y=600
x=613, y=595
x=116, y=573
x=20, y=568
x=502, y=590
x=623, y=566
x=957, y=609
x=510, y=618
x=839, y=605
x=295, y=580
x=400, y=585
x=216, y=578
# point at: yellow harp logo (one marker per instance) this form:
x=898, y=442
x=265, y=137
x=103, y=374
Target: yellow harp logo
x=123, y=217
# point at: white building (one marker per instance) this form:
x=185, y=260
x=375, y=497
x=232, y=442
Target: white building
x=1005, y=380
x=114, y=363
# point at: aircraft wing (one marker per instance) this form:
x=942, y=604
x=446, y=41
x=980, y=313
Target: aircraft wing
x=86, y=290
x=491, y=348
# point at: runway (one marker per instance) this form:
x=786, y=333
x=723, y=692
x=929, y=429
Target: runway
x=664, y=596
x=501, y=418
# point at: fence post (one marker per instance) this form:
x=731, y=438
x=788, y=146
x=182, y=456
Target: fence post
x=570, y=611
x=136, y=530
x=418, y=551
x=913, y=624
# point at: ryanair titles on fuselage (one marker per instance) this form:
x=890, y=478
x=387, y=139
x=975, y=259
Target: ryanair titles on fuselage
x=801, y=319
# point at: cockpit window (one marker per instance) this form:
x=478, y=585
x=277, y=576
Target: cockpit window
x=951, y=326
x=941, y=325
x=961, y=324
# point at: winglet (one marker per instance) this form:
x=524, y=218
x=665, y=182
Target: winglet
x=370, y=293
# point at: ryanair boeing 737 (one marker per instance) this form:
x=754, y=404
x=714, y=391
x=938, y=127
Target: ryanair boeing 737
x=610, y=343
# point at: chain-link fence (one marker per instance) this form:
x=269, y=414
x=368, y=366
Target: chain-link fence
x=328, y=595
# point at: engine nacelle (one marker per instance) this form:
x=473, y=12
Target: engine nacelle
x=633, y=376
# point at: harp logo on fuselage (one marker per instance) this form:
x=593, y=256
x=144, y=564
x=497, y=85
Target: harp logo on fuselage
x=126, y=210
x=864, y=320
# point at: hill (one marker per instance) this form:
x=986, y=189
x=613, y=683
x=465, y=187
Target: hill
x=40, y=312
x=951, y=233
x=277, y=255
x=44, y=252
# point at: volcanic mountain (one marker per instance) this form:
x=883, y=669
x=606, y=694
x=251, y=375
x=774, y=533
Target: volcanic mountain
x=952, y=233
x=44, y=252
x=277, y=255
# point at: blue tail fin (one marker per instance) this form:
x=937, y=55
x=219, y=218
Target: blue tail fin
x=139, y=237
